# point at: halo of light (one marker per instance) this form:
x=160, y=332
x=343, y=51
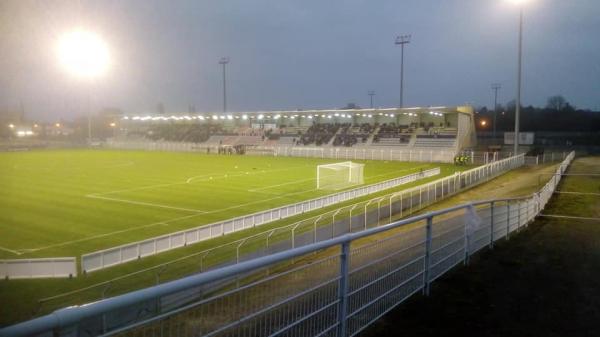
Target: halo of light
x=83, y=54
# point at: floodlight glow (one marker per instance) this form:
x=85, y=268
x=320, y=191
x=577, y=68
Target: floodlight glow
x=83, y=54
x=245, y=117
x=113, y=124
x=57, y=125
x=12, y=126
x=261, y=116
x=230, y=117
x=518, y=2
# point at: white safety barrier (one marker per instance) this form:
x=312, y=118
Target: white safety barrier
x=429, y=155
x=38, y=268
x=132, y=251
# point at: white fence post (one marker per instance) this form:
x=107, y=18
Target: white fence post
x=492, y=207
x=343, y=289
x=427, y=271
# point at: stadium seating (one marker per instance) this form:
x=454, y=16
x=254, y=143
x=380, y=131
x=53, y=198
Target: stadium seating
x=386, y=135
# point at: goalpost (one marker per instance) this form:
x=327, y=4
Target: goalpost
x=339, y=175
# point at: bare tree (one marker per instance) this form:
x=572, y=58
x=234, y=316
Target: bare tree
x=556, y=102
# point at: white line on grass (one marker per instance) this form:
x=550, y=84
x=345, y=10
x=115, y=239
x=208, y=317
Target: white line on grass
x=16, y=252
x=215, y=176
x=278, y=185
x=580, y=193
x=129, y=229
x=93, y=196
x=166, y=222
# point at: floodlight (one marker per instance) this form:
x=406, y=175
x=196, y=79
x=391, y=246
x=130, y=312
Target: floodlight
x=83, y=53
x=518, y=2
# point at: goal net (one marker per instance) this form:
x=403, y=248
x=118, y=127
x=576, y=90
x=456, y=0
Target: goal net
x=339, y=175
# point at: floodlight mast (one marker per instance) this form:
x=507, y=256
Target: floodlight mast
x=402, y=40
x=495, y=87
x=371, y=94
x=85, y=55
x=224, y=61
x=519, y=3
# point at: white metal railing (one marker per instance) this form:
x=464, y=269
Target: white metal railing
x=352, y=281
x=132, y=251
x=354, y=153
x=38, y=268
x=367, y=153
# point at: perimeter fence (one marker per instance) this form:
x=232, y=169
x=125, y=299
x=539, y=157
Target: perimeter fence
x=395, y=153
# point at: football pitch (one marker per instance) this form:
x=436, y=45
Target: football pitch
x=71, y=202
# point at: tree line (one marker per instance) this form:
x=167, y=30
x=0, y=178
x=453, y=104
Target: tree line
x=557, y=116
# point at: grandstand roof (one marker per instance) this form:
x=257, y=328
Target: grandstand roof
x=324, y=113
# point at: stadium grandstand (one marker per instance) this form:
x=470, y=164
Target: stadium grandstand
x=447, y=130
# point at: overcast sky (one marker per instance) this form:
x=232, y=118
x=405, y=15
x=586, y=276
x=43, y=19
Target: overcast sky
x=299, y=54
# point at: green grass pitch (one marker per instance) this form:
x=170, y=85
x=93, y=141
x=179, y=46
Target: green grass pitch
x=71, y=202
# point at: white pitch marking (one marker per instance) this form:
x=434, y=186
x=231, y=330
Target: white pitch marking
x=581, y=193
x=166, y=222
x=143, y=203
x=11, y=251
x=129, y=163
x=278, y=185
x=112, y=233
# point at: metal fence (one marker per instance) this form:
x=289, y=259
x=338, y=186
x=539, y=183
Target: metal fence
x=38, y=268
x=354, y=153
x=135, y=250
x=355, y=217
x=335, y=287
x=367, y=153
x=479, y=157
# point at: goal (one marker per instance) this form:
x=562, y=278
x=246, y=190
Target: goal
x=339, y=175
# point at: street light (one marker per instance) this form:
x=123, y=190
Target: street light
x=85, y=55
x=402, y=40
x=519, y=3
x=224, y=61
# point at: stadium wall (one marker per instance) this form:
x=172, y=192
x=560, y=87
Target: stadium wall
x=55, y=267
x=133, y=251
